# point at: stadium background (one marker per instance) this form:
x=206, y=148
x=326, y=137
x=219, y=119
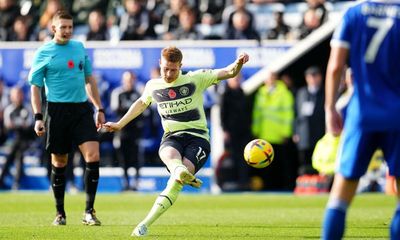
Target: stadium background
x=111, y=58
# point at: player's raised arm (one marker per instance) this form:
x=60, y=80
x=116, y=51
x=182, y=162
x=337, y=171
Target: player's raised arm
x=135, y=110
x=234, y=68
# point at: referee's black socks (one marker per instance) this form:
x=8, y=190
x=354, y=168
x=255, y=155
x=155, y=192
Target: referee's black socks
x=57, y=178
x=91, y=182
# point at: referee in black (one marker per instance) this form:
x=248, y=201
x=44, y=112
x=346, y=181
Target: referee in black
x=62, y=67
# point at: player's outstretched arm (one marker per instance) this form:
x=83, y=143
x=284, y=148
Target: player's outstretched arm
x=234, y=68
x=135, y=110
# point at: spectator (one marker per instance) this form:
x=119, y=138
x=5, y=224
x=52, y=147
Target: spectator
x=237, y=128
x=20, y=30
x=241, y=27
x=170, y=20
x=281, y=30
x=43, y=30
x=81, y=9
x=313, y=18
x=320, y=9
x=227, y=15
x=9, y=11
x=127, y=140
x=273, y=115
x=19, y=121
x=187, y=26
x=135, y=24
x=97, y=27
x=310, y=118
x=4, y=101
x=213, y=9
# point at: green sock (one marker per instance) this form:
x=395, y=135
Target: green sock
x=163, y=201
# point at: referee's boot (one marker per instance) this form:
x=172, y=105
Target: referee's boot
x=60, y=220
x=90, y=219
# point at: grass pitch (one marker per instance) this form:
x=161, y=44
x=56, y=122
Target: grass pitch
x=194, y=216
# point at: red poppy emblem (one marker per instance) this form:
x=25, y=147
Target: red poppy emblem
x=171, y=93
x=71, y=64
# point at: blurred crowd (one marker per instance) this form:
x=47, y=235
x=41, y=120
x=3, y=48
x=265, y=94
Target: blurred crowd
x=101, y=20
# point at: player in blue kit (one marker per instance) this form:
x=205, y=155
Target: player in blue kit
x=369, y=39
x=62, y=67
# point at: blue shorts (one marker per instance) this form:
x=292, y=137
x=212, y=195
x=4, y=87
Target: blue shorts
x=357, y=147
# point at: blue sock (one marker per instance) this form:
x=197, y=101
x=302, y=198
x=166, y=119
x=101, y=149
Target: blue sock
x=395, y=225
x=334, y=221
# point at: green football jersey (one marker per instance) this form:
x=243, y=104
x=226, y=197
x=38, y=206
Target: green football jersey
x=180, y=103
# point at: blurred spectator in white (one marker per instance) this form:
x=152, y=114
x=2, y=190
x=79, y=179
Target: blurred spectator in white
x=9, y=11
x=241, y=27
x=20, y=30
x=126, y=141
x=238, y=5
x=170, y=20
x=135, y=24
x=187, y=26
x=18, y=120
x=98, y=30
x=281, y=30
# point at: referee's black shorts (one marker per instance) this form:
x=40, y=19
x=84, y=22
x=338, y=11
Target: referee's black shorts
x=69, y=123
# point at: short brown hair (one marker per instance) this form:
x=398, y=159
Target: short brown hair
x=172, y=54
x=62, y=15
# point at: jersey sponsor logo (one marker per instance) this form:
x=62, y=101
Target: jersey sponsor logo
x=71, y=64
x=191, y=115
x=175, y=104
x=174, y=93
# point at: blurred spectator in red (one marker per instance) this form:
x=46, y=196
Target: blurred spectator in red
x=98, y=30
x=9, y=11
x=135, y=24
x=241, y=28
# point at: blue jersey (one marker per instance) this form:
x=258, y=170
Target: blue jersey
x=62, y=69
x=371, y=32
